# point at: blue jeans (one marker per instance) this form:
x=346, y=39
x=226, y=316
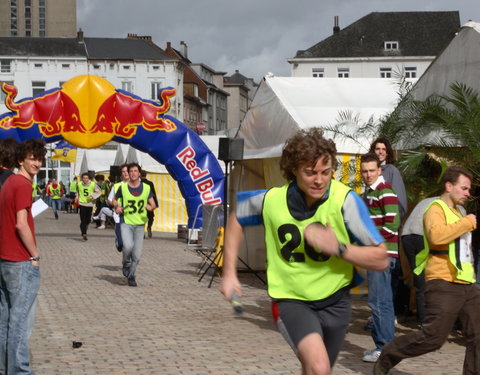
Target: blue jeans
x=56, y=206
x=19, y=284
x=132, y=237
x=380, y=300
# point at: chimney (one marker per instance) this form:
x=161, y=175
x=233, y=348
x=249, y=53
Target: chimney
x=169, y=45
x=184, y=49
x=80, y=35
x=336, y=28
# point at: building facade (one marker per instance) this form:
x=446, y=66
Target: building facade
x=136, y=65
x=38, y=18
x=379, y=45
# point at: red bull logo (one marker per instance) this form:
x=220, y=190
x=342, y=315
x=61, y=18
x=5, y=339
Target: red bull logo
x=88, y=112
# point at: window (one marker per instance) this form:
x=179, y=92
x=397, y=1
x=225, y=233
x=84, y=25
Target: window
x=154, y=90
x=318, y=72
x=385, y=72
x=38, y=65
x=65, y=66
x=155, y=67
x=38, y=87
x=410, y=72
x=343, y=72
x=96, y=66
x=126, y=67
x=391, y=46
x=5, y=66
x=127, y=86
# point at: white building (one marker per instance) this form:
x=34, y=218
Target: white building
x=379, y=45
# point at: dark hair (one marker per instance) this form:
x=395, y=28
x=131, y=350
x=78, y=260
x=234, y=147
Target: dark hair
x=99, y=177
x=85, y=174
x=367, y=158
x=125, y=165
x=306, y=146
x=133, y=165
x=8, y=148
x=452, y=174
x=390, y=157
x=34, y=147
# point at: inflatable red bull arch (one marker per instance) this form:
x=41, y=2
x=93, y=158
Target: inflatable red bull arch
x=87, y=111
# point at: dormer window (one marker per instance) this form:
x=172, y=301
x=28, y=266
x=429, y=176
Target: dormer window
x=391, y=46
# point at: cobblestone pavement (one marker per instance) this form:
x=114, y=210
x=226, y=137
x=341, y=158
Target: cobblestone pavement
x=171, y=323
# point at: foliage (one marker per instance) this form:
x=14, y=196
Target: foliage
x=431, y=134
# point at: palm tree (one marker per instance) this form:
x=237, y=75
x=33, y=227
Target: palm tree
x=432, y=134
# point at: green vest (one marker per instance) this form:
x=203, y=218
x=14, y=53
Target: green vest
x=459, y=251
x=73, y=187
x=134, y=211
x=34, y=191
x=296, y=270
x=84, y=191
x=55, y=192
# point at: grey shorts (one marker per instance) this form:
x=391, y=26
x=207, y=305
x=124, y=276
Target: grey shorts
x=297, y=319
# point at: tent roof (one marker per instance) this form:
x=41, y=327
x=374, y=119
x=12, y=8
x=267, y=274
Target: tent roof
x=459, y=62
x=283, y=105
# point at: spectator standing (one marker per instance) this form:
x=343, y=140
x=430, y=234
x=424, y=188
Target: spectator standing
x=19, y=260
x=384, y=211
x=8, y=161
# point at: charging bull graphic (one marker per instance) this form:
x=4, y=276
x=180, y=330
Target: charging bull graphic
x=87, y=111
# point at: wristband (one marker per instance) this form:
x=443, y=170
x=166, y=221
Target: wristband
x=342, y=249
x=36, y=259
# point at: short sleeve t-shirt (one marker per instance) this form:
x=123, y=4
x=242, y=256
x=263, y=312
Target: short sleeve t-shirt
x=16, y=195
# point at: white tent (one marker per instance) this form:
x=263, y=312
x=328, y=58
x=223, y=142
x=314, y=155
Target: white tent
x=458, y=62
x=284, y=105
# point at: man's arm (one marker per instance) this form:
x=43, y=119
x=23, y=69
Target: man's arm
x=439, y=233
x=372, y=257
x=388, y=202
x=96, y=193
x=150, y=206
x=233, y=240
x=25, y=233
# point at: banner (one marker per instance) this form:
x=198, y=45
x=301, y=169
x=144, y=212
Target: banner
x=64, y=151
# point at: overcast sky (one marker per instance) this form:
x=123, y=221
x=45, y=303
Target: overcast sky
x=253, y=36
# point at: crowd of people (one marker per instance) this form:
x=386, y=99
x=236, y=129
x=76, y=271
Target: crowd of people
x=319, y=233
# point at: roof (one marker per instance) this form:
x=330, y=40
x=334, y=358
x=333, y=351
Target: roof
x=31, y=46
x=418, y=34
x=123, y=49
x=458, y=63
x=284, y=105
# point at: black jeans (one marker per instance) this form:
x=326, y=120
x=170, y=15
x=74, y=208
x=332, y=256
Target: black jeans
x=412, y=245
x=85, y=217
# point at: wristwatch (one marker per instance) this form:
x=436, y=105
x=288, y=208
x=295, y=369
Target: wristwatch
x=342, y=249
x=36, y=259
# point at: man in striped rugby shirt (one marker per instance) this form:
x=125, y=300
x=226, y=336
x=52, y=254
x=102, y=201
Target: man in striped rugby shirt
x=382, y=202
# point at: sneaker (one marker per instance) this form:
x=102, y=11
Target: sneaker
x=371, y=355
x=379, y=370
x=101, y=227
x=84, y=236
x=95, y=218
x=149, y=231
x=132, y=281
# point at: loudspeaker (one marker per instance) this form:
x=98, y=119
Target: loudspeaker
x=230, y=149
x=114, y=170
